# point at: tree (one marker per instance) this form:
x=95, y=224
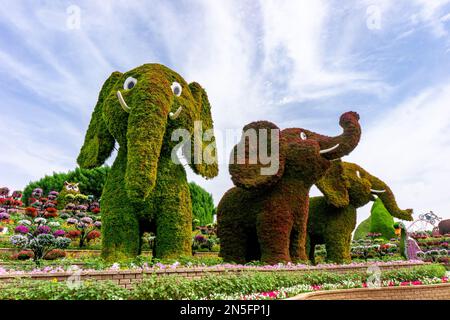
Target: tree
x=90, y=181
x=202, y=204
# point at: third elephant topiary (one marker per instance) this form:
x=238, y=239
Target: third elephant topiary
x=332, y=218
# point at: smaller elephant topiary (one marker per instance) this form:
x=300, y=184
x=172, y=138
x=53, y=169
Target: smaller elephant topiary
x=332, y=217
x=264, y=217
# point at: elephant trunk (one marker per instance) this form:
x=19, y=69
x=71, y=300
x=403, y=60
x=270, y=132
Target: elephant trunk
x=147, y=123
x=343, y=144
x=385, y=194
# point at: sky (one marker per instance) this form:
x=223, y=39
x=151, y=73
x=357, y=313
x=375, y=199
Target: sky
x=295, y=63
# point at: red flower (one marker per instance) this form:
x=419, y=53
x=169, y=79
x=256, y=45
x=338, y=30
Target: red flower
x=95, y=210
x=94, y=234
x=30, y=211
x=73, y=234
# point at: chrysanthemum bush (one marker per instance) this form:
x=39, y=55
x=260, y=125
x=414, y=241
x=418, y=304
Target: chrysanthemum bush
x=39, y=236
x=82, y=213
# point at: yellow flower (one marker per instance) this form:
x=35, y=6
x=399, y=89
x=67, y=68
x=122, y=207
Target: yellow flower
x=54, y=280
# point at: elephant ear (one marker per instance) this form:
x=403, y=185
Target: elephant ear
x=98, y=143
x=258, y=160
x=204, y=160
x=334, y=185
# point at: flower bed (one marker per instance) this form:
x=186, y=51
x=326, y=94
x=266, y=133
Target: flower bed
x=284, y=293
x=210, y=286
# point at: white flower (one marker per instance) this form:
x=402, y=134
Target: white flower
x=40, y=220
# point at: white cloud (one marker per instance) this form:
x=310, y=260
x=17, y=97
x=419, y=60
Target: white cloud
x=409, y=148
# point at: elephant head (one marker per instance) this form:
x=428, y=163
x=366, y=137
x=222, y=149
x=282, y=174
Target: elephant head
x=140, y=109
x=348, y=184
x=299, y=153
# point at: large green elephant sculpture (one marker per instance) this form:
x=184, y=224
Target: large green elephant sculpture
x=332, y=217
x=147, y=189
x=264, y=217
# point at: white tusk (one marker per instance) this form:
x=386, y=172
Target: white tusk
x=122, y=102
x=377, y=191
x=329, y=149
x=175, y=115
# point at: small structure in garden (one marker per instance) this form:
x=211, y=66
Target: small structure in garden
x=146, y=190
x=69, y=188
x=264, y=217
x=332, y=217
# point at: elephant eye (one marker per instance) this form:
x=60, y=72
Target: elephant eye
x=358, y=174
x=303, y=136
x=129, y=83
x=176, y=88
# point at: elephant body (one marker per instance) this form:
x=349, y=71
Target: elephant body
x=258, y=225
x=265, y=216
x=332, y=217
x=146, y=111
x=167, y=212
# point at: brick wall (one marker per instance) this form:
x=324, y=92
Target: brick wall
x=425, y=292
x=126, y=278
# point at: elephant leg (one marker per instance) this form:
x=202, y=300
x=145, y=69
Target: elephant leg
x=120, y=225
x=173, y=221
x=299, y=231
x=233, y=242
x=234, y=221
x=274, y=226
x=338, y=234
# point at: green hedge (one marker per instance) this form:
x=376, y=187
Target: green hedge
x=174, y=287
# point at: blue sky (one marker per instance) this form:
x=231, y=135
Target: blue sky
x=297, y=63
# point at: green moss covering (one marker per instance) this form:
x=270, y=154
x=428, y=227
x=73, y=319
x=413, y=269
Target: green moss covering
x=332, y=218
x=265, y=216
x=362, y=229
x=381, y=221
x=330, y=226
x=146, y=190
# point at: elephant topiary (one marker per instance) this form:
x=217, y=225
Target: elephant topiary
x=332, y=218
x=444, y=227
x=380, y=221
x=146, y=189
x=264, y=217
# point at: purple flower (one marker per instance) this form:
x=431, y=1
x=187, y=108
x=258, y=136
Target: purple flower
x=82, y=208
x=98, y=224
x=22, y=229
x=59, y=233
x=37, y=192
x=70, y=206
x=200, y=238
x=53, y=193
x=72, y=221
x=87, y=220
x=4, y=216
x=43, y=230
